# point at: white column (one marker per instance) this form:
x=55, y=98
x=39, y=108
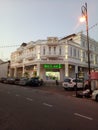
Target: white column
x=62, y=75
x=76, y=68
x=15, y=72
x=38, y=69
x=9, y=72
x=23, y=68
x=23, y=71
x=42, y=73
x=66, y=70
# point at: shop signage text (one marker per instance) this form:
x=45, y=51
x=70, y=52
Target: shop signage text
x=52, y=66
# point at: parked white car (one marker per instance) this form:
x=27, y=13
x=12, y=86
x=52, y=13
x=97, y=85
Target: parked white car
x=95, y=95
x=70, y=83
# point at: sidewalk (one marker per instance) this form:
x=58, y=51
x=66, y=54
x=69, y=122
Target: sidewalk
x=57, y=89
x=60, y=90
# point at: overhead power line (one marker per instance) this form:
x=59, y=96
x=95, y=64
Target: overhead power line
x=91, y=27
x=9, y=46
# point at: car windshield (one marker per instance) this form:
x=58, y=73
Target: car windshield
x=67, y=80
x=34, y=79
x=22, y=79
x=78, y=80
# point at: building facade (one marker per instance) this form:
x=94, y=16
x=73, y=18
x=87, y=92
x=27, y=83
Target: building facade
x=54, y=58
x=4, y=69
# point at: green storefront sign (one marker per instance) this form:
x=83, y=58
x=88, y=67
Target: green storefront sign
x=52, y=66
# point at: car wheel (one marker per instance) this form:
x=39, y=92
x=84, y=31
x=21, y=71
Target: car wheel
x=97, y=98
x=86, y=87
x=65, y=88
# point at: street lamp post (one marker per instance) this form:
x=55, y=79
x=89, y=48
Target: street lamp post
x=85, y=15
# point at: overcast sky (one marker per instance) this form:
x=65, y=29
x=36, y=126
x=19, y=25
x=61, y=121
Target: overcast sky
x=31, y=20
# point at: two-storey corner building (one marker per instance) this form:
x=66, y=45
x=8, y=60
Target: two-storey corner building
x=54, y=58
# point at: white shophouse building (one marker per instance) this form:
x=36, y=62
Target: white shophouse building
x=54, y=58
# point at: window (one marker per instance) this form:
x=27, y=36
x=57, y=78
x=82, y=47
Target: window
x=44, y=50
x=54, y=50
x=83, y=54
x=70, y=51
x=78, y=54
x=60, y=50
x=74, y=53
x=95, y=59
x=49, y=50
x=91, y=56
x=83, y=43
x=31, y=49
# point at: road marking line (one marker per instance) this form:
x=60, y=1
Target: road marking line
x=17, y=95
x=86, y=117
x=29, y=99
x=46, y=104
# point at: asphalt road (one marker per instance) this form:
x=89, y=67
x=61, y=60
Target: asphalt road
x=26, y=108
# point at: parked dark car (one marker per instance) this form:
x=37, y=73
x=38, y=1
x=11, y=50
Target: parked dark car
x=10, y=80
x=17, y=80
x=23, y=81
x=3, y=79
x=34, y=82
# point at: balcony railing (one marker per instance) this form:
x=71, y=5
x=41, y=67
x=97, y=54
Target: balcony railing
x=19, y=59
x=30, y=56
x=54, y=55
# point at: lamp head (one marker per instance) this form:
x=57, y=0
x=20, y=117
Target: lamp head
x=82, y=19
